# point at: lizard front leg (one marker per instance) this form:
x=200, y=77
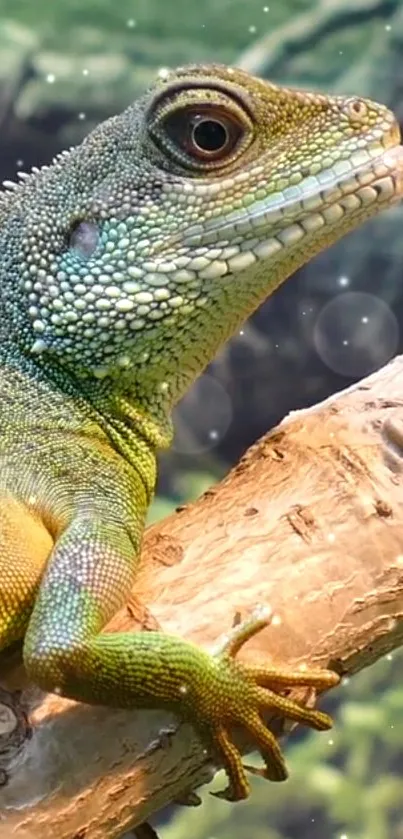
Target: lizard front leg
x=89, y=576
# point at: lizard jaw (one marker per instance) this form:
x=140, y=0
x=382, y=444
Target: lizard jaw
x=379, y=170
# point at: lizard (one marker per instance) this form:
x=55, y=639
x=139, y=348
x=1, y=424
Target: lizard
x=125, y=266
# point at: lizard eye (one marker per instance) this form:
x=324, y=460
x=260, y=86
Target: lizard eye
x=83, y=238
x=202, y=128
x=203, y=134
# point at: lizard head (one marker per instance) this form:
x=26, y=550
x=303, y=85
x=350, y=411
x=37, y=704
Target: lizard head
x=133, y=257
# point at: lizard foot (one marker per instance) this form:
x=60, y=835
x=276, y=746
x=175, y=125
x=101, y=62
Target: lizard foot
x=242, y=694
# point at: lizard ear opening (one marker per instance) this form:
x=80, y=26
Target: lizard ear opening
x=83, y=238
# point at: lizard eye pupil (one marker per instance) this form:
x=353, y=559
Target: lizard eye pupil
x=209, y=135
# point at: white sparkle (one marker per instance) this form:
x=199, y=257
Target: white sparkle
x=50, y=78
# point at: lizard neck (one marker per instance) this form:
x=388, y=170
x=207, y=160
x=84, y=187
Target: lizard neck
x=139, y=386
x=83, y=408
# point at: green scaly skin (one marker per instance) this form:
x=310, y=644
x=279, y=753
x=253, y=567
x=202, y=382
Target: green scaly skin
x=125, y=265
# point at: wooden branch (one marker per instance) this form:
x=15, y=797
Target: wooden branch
x=310, y=522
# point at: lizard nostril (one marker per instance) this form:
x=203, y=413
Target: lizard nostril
x=356, y=109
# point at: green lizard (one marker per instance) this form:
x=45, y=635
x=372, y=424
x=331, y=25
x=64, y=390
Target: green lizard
x=125, y=265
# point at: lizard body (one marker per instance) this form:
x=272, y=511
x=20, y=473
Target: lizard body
x=125, y=265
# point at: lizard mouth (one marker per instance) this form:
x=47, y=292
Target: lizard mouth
x=359, y=187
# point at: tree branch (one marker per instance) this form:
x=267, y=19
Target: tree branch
x=310, y=522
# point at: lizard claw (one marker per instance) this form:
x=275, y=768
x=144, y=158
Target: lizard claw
x=242, y=694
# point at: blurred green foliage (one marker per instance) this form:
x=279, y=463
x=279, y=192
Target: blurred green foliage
x=86, y=55
x=188, y=486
